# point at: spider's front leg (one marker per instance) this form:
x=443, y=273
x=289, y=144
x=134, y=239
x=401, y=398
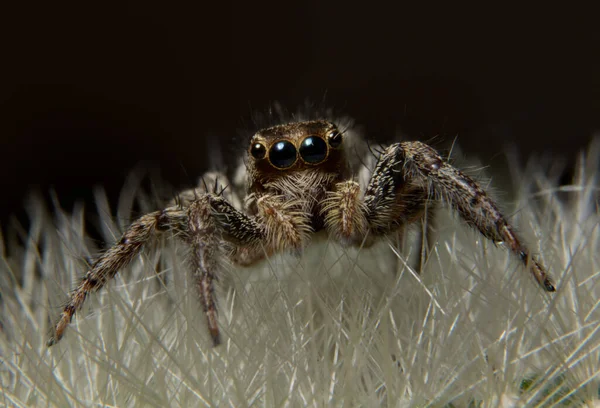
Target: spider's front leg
x=211, y=220
x=117, y=257
x=415, y=165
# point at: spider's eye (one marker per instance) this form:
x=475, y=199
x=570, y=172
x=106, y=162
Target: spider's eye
x=335, y=139
x=283, y=154
x=313, y=150
x=258, y=151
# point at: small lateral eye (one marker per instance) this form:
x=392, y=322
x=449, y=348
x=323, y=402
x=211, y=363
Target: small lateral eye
x=283, y=154
x=258, y=151
x=334, y=138
x=313, y=150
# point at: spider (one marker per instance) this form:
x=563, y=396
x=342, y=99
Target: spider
x=299, y=181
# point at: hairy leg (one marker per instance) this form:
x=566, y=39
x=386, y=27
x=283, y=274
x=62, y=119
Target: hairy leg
x=345, y=215
x=118, y=256
x=204, y=241
x=213, y=222
x=417, y=164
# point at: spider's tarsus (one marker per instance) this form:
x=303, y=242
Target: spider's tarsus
x=538, y=271
x=544, y=280
x=216, y=337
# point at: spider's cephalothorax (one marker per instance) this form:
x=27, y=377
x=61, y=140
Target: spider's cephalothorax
x=299, y=181
x=291, y=168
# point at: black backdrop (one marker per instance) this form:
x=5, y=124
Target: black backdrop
x=88, y=91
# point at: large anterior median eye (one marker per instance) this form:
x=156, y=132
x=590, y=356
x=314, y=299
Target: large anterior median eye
x=313, y=150
x=283, y=154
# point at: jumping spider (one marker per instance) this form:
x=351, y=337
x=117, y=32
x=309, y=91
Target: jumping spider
x=299, y=182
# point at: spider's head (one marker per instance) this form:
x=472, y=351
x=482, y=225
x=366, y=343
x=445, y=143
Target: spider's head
x=279, y=150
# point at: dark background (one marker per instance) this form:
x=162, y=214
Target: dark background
x=87, y=92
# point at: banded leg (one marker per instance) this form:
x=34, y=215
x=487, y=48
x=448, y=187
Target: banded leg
x=285, y=222
x=116, y=258
x=344, y=214
x=416, y=165
x=210, y=220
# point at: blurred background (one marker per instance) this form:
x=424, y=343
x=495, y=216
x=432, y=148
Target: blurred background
x=89, y=91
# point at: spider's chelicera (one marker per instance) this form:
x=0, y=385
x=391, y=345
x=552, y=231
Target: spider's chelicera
x=300, y=182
